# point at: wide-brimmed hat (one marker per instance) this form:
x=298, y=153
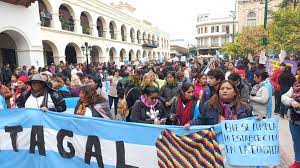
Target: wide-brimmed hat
x=37, y=77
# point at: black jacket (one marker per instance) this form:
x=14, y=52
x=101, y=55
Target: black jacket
x=286, y=81
x=57, y=98
x=139, y=112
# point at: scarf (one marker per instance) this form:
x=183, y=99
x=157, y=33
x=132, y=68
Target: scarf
x=147, y=104
x=296, y=89
x=184, y=112
x=228, y=113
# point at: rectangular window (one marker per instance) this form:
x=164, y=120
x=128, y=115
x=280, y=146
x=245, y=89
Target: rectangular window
x=205, y=30
x=223, y=28
x=201, y=30
x=212, y=29
x=217, y=28
x=227, y=29
x=215, y=42
x=251, y=22
x=224, y=40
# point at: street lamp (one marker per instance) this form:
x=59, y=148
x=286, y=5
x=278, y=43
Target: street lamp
x=265, y=39
x=233, y=27
x=86, y=50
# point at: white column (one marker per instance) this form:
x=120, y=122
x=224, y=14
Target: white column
x=78, y=27
x=30, y=57
x=94, y=30
x=56, y=22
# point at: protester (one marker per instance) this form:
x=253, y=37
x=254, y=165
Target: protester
x=185, y=105
x=231, y=69
x=41, y=96
x=6, y=93
x=261, y=97
x=149, y=109
x=92, y=104
x=22, y=88
x=58, y=84
x=274, y=80
x=292, y=100
x=75, y=86
x=242, y=87
x=200, y=85
x=286, y=81
x=224, y=105
x=133, y=91
x=96, y=83
x=113, y=94
x=251, y=72
x=214, y=78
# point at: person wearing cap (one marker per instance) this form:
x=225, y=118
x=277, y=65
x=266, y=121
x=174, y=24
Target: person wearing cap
x=41, y=96
x=21, y=87
x=242, y=74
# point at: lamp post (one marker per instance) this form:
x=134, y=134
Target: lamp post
x=233, y=27
x=265, y=39
x=86, y=50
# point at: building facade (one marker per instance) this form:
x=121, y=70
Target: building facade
x=251, y=12
x=50, y=31
x=213, y=33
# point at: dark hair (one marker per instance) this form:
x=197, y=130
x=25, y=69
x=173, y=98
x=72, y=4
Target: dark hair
x=96, y=80
x=91, y=94
x=234, y=77
x=283, y=64
x=217, y=73
x=149, y=90
x=264, y=75
x=184, y=87
x=172, y=73
x=201, y=75
x=116, y=70
x=215, y=100
x=288, y=69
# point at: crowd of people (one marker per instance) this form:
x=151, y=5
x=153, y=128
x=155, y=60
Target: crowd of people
x=197, y=92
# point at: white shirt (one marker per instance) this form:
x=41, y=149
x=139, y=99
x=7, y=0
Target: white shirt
x=75, y=71
x=88, y=112
x=33, y=102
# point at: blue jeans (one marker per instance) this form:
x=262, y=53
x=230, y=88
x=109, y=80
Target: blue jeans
x=295, y=131
x=114, y=100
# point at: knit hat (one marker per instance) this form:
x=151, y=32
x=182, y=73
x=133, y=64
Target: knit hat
x=23, y=79
x=241, y=72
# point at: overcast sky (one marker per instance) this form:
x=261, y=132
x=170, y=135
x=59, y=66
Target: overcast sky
x=178, y=17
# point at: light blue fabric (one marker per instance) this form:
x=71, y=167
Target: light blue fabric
x=3, y=104
x=64, y=88
x=269, y=86
x=196, y=110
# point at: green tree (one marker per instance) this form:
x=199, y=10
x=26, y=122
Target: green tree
x=286, y=3
x=193, y=51
x=232, y=49
x=284, y=31
x=250, y=40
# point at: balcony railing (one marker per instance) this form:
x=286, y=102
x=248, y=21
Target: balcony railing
x=124, y=38
x=86, y=30
x=46, y=18
x=67, y=24
x=150, y=45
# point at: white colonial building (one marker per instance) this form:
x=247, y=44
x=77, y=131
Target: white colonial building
x=213, y=32
x=54, y=30
x=251, y=12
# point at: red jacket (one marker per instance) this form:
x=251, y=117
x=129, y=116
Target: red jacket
x=274, y=79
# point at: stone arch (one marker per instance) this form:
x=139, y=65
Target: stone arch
x=150, y=55
x=149, y=38
x=101, y=25
x=15, y=48
x=144, y=38
x=132, y=35
x=72, y=52
x=138, y=36
x=112, y=54
x=45, y=11
x=122, y=55
x=144, y=54
x=50, y=52
x=113, y=30
x=66, y=17
x=138, y=55
x=86, y=22
x=131, y=56
x=96, y=54
x=124, y=32
x=154, y=55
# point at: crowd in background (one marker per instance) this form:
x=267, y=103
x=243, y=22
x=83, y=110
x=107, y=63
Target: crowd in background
x=196, y=92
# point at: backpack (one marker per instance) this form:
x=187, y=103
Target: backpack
x=123, y=109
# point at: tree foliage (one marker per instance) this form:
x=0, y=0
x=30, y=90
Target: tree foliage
x=284, y=31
